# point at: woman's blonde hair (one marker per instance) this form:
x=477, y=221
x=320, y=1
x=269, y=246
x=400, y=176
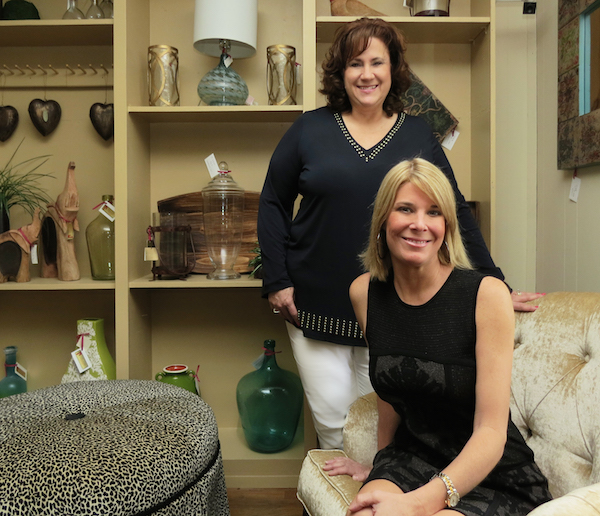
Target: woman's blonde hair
x=432, y=181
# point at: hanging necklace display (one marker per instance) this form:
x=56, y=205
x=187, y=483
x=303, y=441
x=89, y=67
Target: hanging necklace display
x=103, y=116
x=45, y=114
x=9, y=117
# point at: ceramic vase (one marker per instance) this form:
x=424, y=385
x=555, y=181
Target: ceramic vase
x=90, y=338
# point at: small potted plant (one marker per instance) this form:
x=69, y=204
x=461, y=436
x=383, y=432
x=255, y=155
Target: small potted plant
x=19, y=186
x=256, y=263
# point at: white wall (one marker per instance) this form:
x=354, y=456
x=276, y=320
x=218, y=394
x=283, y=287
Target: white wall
x=568, y=233
x=515, y=189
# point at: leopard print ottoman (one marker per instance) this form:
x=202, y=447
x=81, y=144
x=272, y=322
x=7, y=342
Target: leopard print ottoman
x=115, y=448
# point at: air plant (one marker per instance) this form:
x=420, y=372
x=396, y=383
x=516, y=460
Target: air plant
x=19, y=184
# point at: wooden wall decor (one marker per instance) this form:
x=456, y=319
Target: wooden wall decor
x=15, y=250
x=578, y=136
x=58, y=259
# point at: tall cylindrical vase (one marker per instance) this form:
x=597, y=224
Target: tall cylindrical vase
x=281, y=75
x=163, y=75
x=90, y=339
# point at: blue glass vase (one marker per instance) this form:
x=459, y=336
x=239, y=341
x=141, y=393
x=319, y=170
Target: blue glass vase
x=269, y=401
x=12, y=383
x=222, y=86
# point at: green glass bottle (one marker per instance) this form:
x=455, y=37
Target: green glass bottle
x=12, y=383
x=100, y=235
x=269, y=401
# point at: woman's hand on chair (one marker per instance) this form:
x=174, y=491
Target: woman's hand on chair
x=347, y=466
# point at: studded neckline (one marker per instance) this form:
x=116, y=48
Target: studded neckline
x=379, y=147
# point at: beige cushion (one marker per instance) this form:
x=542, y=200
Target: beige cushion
x=320, y=493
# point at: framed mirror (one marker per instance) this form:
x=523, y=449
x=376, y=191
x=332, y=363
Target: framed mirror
x=578, y=83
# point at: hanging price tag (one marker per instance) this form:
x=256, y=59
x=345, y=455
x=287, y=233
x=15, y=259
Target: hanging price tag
x=212, y=165
x=20, y=371
x=82, y=362
x=34, y=254
x=108, y=210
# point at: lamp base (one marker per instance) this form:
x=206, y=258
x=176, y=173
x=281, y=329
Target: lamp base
x=222, y=86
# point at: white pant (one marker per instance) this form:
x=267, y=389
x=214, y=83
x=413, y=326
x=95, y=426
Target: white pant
x=333, y=377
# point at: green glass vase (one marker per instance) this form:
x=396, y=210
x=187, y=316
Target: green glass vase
x=269, y=401
x=12, y=383
x=100, y=236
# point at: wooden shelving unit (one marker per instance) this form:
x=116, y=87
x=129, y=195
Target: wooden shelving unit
x=159, y=152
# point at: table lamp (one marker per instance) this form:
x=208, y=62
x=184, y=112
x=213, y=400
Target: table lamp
x=224, y=28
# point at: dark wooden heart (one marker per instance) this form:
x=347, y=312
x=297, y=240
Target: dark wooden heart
x=45, y=115
x=9, y=119
x=103, y=119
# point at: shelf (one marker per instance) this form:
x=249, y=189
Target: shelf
x=195, y=281
x=55, y=33
x=416, y=29
x=182, y=114
x=245, y=468
x=55, y=284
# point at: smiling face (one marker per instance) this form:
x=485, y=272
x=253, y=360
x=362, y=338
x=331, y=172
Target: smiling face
x=368, y=76
x=415, y=228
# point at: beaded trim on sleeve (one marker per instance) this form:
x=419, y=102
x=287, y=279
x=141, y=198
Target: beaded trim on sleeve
x=330, y=325
x=379, y=147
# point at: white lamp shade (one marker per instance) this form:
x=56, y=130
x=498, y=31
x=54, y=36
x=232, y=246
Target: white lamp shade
x=233, y=20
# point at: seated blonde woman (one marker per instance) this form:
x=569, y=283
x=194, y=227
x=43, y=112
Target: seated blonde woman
x=440, y=339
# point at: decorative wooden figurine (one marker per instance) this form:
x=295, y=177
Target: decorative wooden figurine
x=352, y=8
x=59, y=224
x=15, y=250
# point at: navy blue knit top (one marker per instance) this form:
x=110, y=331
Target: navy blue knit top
x=316, y=251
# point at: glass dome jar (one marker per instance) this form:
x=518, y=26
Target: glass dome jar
x=223, y=209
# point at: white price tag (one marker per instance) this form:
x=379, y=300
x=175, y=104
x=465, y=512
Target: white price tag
x=108, y=210
x=575, y=186
x=20, y=371
x=34, y=254
x=212, y=165
x=228, y=61
x=450, y=140
x=82, y=362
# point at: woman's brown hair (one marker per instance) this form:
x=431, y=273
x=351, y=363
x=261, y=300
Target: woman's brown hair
x=351, y=40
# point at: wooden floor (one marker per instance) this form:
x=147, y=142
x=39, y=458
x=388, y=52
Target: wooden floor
x=264, y=502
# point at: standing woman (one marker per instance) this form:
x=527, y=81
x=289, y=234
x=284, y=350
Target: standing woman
x=335, y=158
x=440, y=338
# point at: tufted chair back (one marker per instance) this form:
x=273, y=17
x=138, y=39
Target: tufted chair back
x=556, y=387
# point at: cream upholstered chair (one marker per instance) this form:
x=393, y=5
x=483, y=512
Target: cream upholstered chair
x=555, y=404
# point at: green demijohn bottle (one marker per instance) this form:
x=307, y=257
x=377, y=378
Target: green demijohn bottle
x=269, y=401
x=100, y=236
x=12, y=383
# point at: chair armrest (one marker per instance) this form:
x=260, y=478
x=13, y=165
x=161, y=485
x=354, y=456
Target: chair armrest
x=584, y=501
x=360, y=430
x=321, y=494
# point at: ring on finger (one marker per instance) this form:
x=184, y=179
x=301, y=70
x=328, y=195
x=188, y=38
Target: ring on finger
x=275, y=311
x=518, y=292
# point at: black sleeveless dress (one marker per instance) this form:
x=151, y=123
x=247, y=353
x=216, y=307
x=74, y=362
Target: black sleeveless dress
x=422, y=362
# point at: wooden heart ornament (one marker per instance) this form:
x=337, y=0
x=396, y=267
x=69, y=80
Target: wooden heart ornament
x=103, y=119
x=45, y=115
x=9, y=119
